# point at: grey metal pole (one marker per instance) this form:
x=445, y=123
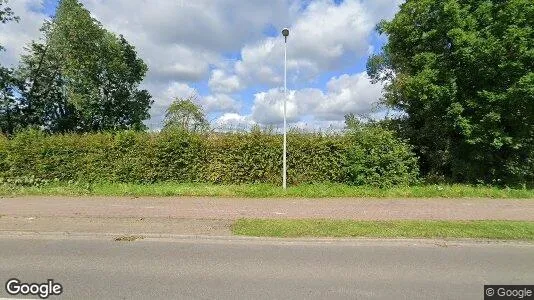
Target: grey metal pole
x=285, y=32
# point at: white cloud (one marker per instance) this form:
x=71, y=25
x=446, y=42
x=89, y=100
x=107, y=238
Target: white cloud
x=349, y=94
x=181, y=40
x=175, y=62
x=260, y=63
x=269, y=107
x=383, y=9
x=201, y=24
x=233, y=121
x=178, y=90
x=345, y=94
x=327, y=32
x=220, y=103
x=220, y=82
x=15, y=36
x=326, y=36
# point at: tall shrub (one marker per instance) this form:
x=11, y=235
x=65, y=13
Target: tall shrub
x=366, y=156
x=376, y=157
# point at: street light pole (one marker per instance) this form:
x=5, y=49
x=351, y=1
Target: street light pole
x=285, y=33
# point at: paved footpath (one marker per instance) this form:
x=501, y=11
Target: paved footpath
x=235, y=208
x=214, y=216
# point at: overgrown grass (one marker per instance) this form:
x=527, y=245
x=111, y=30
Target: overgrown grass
x=262, y=190
x=495, y=230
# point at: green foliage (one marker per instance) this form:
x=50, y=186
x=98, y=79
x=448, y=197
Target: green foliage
x=377, y=158
x=6, y=15
x=44, y=102
x=243, y=158
x=9, y=114
x=352, y=121
x=463, y=71
x=370, y=156
x=185, y=114
x=178, y=156
x=4, y=166
x=22, y=182
x=81, y=78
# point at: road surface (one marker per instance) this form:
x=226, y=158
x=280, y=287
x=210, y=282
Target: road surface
x=236, y=268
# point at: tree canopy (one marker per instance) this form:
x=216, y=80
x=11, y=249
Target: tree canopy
x=8, y=84
x=80, y=77
x=6, y=14
x=186, y=115
x=463, y=71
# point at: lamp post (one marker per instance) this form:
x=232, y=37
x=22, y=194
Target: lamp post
x=285, y=33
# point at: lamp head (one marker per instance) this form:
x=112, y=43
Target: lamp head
x=285, y=33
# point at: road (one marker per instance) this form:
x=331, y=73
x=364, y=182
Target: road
x=236, y=268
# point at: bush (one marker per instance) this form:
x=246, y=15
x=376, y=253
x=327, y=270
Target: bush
x=366, y=156
x=243, y=158
x=177, y=155
x=4, y=166
x=377, y=158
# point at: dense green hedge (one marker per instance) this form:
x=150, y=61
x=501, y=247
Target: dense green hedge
x=368, y=156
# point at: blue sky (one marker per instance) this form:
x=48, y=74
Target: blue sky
x=49, y=7
x=230, y=54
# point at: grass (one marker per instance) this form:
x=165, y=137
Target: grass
x=263, y=190
x=494, y=230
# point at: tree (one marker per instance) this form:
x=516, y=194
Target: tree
x=6, y=15
x=82, y=78
x=185, y=114
x=463, y=71
x=352, y=121
x=9, y=113
x=44, y=101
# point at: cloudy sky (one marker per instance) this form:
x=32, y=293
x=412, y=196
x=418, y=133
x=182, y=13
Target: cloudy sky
x=230, y=53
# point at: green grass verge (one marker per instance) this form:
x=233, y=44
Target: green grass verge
x=495, y=230
x=263, y=190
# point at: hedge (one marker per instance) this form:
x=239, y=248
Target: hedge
x=368, y=156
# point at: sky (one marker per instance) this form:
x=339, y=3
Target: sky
x=230, y=53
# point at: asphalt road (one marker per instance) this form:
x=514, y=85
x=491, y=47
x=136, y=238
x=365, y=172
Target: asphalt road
x=234, y=268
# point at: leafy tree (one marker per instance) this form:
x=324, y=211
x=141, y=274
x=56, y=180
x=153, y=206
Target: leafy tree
x=351, y=121
x=186, y=115
x=80, y=77
x=463, y=71
x=376, y=157
x=6, y=13
x=45, y=99
x=9, y=113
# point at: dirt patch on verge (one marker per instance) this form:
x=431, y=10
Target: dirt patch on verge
x=128, y=238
